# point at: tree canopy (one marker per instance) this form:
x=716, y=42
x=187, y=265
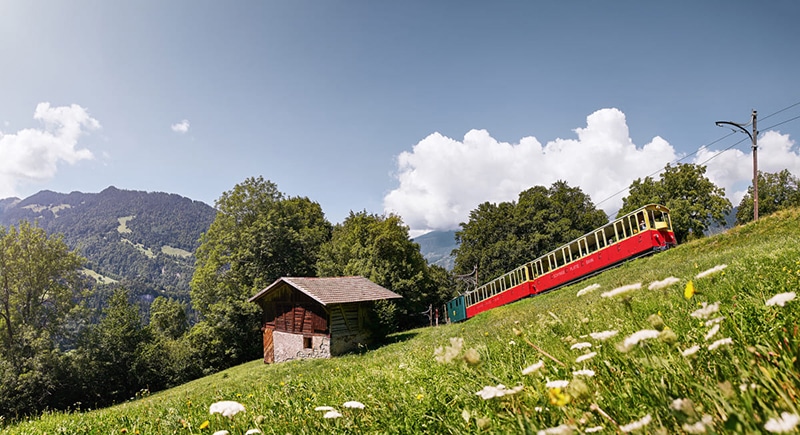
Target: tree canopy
x=693, y=200
x=776, y=191
x=39, y=284
x=378, y=248
x=258, y=236
x=501, y=237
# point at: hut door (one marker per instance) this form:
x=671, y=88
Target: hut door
x=269, y=346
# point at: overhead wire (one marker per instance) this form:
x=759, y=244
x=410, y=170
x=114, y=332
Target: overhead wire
x=700, y=148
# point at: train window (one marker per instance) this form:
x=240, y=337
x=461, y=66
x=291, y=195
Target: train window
x=619, y=230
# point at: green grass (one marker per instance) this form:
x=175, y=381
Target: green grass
x=736, y=387
x=175, y=252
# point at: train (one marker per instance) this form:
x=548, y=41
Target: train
x=643, y=231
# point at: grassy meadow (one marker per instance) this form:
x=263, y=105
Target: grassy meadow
x=612, y=354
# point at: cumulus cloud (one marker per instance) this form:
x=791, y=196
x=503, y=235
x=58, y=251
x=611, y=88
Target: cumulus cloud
x=181, y=127
x=34, y=154
x=733, y=169
x=442, y=179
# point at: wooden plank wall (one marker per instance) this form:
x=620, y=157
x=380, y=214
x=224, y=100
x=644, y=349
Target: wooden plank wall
x=299, y=319
x=345, y=319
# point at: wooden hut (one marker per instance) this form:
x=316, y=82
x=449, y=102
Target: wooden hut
x=317, y=317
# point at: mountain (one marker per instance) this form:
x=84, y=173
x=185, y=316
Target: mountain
x=437, y=246
x=142, y=240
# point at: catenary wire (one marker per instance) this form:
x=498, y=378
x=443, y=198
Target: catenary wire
x=706, y=146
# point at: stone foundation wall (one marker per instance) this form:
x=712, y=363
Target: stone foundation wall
x=289, y=346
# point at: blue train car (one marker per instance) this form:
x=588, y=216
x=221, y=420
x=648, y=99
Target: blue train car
x=457, y=309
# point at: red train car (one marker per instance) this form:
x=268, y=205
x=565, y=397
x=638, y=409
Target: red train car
x=641, y=232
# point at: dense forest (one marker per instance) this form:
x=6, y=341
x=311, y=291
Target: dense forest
x=144, y=241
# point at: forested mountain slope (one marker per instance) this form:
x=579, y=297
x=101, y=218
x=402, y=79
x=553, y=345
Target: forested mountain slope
x=142, y=240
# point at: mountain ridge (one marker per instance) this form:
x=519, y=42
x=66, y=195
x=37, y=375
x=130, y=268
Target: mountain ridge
x=143, y=240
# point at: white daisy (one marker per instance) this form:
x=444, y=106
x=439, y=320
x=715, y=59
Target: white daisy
x=780, y=299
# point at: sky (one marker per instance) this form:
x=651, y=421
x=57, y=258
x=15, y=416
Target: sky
x=418, y=108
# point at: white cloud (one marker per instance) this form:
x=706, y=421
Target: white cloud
x=442, y=179
x=33, y=154
x=733, y=169
x=181, y=127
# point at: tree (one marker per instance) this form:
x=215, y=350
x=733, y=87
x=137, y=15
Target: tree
x=693, y=200
x=501, y=237
x=168, y=317
x=258, y=236
x=39, y=283
x=378, y=248
x=111, y=349
x=776, y=191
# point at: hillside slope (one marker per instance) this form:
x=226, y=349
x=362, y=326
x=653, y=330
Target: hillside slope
x=143, y=240
x=723, y=360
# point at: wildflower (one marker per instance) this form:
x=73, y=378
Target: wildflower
x=706, y=310
x=588, y=289
x=324, y=408
x=711, y=271
x=581, y=345
x=489, y=392
x=585, y=357
x=656, y=285
x=656, y=322
x=699, y=426
x=745, y=387
x=533, y=368
x=621, y=290
x=636, y=425
x=602, y=336
x=715, y=320
x=690, y=351
x=446, y=354
x=712, y=332
x=557, y=384
x=780, y=299
x=719, y=343
x=558, y=430
x=682, y=405
x=577, y=388
x=668, y=336
x=228, y=408
x=332, y=414
x=420, y=396
x=204, y=424
x=221, y=432
x=512, y=343
x=786, y=423
x=472, y=357
x=557, y=397
x=594, y=429
x=353, y=404
x=689, y=291
x=586, y=372
x=636, y=337
x=252, y=431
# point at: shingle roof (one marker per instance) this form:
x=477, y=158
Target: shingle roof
x=334, y=290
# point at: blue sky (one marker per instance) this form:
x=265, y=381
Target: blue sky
x=424, y=109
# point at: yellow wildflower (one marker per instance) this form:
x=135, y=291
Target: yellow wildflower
x=689, y=291
x=557, y=397
x=204, y=424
